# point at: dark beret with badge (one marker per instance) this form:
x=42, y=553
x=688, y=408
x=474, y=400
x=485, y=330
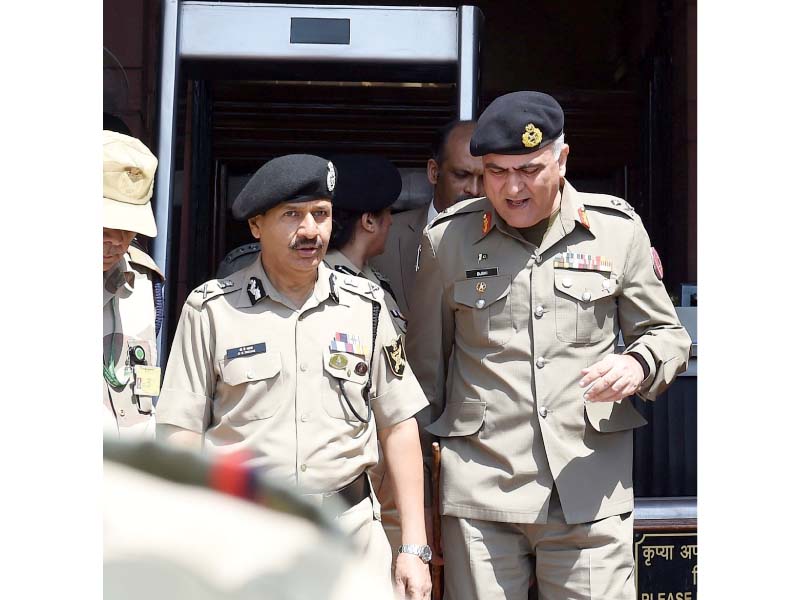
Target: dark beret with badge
x=365, y=183
x=290, y=178
x=517, y=123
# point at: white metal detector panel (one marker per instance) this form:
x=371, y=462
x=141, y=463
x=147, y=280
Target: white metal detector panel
x=330, y=33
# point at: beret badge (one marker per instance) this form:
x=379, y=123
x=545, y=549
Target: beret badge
x=331, y=181
x=532, y=136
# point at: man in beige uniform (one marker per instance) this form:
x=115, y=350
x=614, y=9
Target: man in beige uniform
x=455, y=175
x=131, y=376
x=289, y=361
x=527, y=290
x=366, y=188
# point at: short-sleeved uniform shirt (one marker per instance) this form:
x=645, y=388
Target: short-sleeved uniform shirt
x=251, y=371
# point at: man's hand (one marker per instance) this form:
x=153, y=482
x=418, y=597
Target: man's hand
x=412, y=578
x=615, y=377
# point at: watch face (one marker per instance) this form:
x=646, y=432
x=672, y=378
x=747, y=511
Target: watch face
x=426, y=554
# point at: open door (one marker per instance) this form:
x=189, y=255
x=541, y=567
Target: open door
x=245, y=82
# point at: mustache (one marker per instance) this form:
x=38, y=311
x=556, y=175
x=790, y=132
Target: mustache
x=306, y=244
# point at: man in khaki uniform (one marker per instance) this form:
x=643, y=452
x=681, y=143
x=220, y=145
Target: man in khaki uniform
x=366, y=188
x=289, y=361
x=526, y=291
x=455, y=175
x=131, y=288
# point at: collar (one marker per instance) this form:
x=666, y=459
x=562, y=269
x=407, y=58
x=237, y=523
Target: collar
x=256, y=270
x=432, y=212
x=120, y=276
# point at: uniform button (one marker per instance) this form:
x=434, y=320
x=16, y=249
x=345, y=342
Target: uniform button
x=303, y=468
x=606, y=285
x=566, y=282
x=543, y=411
x=586, y=296
x=480, y=303
x=122, y=412
x=250, y=375
x=537, y=258
x=539, y=311
x=304, y=417
x=540, y=362
x=303, y=366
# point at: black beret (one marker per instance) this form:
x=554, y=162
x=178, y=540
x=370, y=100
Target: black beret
x=365, y=183
x=517, y=123
x=290, y=178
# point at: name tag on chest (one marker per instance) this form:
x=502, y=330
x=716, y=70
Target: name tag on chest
x=245, y=350
x=481, y=273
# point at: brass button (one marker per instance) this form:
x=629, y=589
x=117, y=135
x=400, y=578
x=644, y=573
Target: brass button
x=539, y=311
x=122, y=412
x=543, y=411
x=303, y=468
x=540, y=362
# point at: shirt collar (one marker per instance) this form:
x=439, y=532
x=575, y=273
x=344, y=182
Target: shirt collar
x=320, y=293
x=432, y=212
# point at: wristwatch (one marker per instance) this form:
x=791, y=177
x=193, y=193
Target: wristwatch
x=424, y=552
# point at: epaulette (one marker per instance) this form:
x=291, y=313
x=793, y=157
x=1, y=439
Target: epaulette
x=610, y=202
x=141, y=258
x=461, y=208
x=241, y=251
x=211, y=289
x=360, y=286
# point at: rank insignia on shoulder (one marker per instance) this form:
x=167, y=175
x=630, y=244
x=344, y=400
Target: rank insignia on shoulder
x=255, y=289
x=398, y=315
x=583, y=217
x=487, y=222
x=347, y=342
x=248, y=350
x=657, y=266
x=224, y=283
x=396, y=357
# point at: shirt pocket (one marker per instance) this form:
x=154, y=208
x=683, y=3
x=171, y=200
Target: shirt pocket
x=343, y=378
x=484, y=315
x=585, y=304
x=250, y=380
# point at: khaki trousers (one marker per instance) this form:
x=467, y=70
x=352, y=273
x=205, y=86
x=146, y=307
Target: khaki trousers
x=489, y=560
x=360, y=524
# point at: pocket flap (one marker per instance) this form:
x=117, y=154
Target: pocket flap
x=245, y=369
x=460, y=418
x=467, y=291
x=342, y=365
x=608, y=417
x=585, y=286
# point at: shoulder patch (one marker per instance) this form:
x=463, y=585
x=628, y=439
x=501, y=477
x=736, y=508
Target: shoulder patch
x=396, y=357
x=461, y=208
x=211, y=289
x=141, y=258
x=360, y=286
x=610, y=202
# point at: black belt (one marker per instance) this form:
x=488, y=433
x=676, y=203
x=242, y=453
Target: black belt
x=351, y=494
